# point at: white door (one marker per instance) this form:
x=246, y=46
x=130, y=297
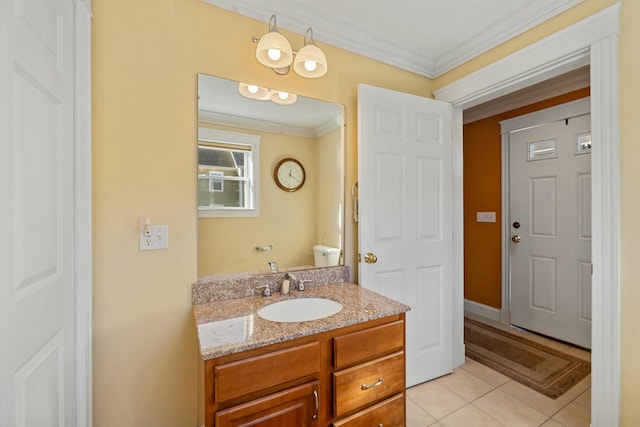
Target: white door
x=550, y=217
x=37, y=325
x=405, y=207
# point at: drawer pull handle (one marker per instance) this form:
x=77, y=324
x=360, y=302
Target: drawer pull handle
x=376, y=384
x=315, y=395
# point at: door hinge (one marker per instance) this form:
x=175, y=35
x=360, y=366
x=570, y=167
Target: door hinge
x=592, y=269
x=359, y=257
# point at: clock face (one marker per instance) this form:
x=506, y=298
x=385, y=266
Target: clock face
x=289, y=175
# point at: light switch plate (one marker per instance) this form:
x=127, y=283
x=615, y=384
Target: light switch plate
x=157, y=238
x=485, y=217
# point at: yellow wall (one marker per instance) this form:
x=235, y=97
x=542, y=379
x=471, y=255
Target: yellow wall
x=146, y=56
x=629, y=64
x=483, y=193
x=227, y=245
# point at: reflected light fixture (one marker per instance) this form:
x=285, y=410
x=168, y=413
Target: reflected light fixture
x=283, y=98
x=274, y=51
x=263, y=94
x=254, y=91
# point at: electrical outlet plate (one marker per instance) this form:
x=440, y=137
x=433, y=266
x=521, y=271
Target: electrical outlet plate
x=485, y=217
x=156, y=238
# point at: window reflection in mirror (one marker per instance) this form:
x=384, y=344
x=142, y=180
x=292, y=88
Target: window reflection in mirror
x=289, y=223
x=228, y=174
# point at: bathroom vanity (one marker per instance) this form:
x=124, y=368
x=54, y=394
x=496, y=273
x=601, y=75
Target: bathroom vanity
x=347, y=369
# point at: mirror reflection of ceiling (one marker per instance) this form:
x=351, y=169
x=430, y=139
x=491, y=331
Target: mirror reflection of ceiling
x=427, y=37
x=220, y=102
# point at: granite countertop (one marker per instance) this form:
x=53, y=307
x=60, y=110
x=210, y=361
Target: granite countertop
x=231, y=326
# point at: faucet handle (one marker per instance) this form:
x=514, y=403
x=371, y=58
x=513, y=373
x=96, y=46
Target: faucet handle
x=301, y=284
x=266, y=290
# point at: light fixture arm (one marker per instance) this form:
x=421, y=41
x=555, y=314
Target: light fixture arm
x=311, y=40
x=272, y=24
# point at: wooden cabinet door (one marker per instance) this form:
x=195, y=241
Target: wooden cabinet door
x=297, y=406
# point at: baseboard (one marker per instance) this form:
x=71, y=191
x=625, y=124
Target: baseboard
x=481, y=310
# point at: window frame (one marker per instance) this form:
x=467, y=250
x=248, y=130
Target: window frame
x=252, y=171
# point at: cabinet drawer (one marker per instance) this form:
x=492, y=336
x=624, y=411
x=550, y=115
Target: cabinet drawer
x=293, y=407
x=389, y=413
x=246, y=376
x=369, y=344
x=367, y=383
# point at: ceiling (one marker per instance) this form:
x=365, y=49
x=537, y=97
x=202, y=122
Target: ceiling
x=427, y=37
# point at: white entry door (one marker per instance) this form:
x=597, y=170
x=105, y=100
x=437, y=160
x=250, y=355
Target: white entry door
x=550, y=217
x=405, y=223
x=37, y=305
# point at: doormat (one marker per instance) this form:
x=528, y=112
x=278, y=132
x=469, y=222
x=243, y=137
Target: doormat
x=537, y=366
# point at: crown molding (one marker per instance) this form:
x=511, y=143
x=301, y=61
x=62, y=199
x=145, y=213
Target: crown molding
x=365, y=41
x=526, y=18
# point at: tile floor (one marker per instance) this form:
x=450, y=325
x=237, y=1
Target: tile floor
x=477, y=396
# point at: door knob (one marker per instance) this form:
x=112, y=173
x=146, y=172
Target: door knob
x=516, y=238
x=370, y=258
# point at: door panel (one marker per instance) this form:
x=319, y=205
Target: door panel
x=543, y=206
x=405, y=207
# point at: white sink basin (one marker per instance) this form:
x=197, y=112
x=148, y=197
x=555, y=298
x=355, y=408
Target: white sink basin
x=299, y=310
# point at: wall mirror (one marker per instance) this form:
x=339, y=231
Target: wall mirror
x=254, y=146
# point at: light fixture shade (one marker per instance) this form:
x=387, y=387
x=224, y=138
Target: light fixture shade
x=253, y=91
x=310, y=53
x=276, y=42
x=279, y=98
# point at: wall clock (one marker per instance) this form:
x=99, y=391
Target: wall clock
x=289, y=174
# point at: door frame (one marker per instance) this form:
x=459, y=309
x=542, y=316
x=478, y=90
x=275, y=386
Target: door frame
x=83, y=242
x=594, y=42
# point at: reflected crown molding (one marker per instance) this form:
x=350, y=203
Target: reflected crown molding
x=267, y=126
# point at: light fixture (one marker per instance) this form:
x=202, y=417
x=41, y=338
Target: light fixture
x=264, y=94
x=273, y=48
x=310, y=60
x=274, y=51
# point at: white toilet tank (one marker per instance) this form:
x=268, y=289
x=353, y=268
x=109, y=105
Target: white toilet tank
x=326, y=256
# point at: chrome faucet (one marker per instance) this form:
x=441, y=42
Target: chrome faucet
x=289, y=282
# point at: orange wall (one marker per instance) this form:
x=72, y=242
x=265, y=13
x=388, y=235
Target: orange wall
x=482, y=193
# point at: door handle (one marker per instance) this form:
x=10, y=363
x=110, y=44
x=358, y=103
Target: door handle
x=516, y=239
x=315, y=397
x=367, y=387
x=370, y=258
